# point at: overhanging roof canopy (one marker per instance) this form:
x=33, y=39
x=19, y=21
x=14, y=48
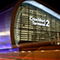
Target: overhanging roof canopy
x=44, y=8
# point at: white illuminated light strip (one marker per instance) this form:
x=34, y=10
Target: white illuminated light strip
x=4, y=33
x=36, y=4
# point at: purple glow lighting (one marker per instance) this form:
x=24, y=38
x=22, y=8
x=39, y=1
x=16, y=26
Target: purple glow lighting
x=5, y=19
x=6, y=11
x=4, y=47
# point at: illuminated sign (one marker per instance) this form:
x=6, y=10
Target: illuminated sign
x=39, y=21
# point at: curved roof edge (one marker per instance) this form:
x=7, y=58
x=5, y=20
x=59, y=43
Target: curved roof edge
x=44, y=8
x=40, y=5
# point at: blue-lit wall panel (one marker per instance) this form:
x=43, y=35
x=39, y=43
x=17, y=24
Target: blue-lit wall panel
x=5, y=19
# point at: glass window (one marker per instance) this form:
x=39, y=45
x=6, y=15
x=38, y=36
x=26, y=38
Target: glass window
x=33, y=24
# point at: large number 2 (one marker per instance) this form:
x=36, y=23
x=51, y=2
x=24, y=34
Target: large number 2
x=47, y=23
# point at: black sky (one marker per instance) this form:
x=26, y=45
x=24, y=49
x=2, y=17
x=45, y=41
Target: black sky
x=53, y=3
x=4, y=3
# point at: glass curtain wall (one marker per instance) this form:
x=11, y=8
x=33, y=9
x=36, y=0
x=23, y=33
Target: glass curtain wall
x=33, y=24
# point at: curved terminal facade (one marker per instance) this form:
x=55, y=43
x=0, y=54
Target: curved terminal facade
x=29, y=22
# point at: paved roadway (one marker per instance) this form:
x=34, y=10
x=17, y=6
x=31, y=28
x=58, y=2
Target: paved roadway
x=42, y=53
x=31, y=55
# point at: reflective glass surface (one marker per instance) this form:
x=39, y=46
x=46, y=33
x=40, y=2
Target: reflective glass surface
x=33, y=24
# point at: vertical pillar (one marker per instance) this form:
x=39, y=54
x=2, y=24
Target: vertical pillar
x=58, y=42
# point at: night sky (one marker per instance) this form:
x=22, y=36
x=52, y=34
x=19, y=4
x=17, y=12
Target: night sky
x=53, y=3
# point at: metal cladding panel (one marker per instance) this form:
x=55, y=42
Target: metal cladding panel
x=5, y=20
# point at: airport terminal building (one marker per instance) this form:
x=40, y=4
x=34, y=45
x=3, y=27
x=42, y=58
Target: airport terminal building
x=29, y=21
